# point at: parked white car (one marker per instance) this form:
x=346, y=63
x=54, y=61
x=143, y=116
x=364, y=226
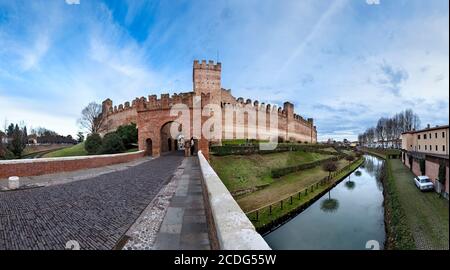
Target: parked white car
x=423, y=183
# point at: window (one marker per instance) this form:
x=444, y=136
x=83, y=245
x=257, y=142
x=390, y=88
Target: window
x=436, y=148
x=443, y=148
x=425, y=147
x=431, y=148
x=443, y=134
x=418, y=137
x=419, y=147
x=424, y=136
x=435, y=135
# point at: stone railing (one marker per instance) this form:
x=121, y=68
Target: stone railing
x=233, y=228
x=39, y=166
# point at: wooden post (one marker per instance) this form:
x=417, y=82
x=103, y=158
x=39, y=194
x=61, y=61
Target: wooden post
x=299, y=195
x=281, y=203
x=270, y=209
x=256, y=215
x=291, y=200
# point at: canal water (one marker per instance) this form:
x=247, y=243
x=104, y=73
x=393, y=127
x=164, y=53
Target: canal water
x=347, y=217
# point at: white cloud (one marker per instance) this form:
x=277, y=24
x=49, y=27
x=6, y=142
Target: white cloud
x=73, y=2
x=32, y=56
x=373, y=2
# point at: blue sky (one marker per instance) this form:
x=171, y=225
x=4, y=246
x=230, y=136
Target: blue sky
x=345, y=62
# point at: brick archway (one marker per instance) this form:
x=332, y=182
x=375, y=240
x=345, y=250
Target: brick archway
x=168, y=141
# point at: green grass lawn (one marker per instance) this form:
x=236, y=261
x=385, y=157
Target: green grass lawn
x=265, y=216
x=243, y=172
x=284, y=186
x=427, y=215
x=76, y=150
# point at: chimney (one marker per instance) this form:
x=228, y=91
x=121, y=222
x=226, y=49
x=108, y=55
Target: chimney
x=428, y=125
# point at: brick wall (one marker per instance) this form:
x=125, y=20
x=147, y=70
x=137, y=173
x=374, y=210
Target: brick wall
x=431, y=169
x=31, y=167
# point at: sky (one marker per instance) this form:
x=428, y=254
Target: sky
x=344, y=63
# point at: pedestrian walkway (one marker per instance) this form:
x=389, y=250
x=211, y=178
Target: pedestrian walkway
x=185, y=225
x=95, y=212
x=67, y=177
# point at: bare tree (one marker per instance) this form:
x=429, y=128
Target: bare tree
x=91, y=118
x=329, y=166
x=380, y=130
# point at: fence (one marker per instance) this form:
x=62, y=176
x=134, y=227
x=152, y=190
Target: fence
x=287, y=203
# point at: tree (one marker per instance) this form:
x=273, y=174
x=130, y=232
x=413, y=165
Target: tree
x=329, y=166
x=17, y=145
x=80, y=137
x=24, y=135
x=10, y=130
x=111, y=144
x=422, y=166
x=91, y=118
x=349, y=158
x=93, y=143
x=128, y=134
x=380, y=130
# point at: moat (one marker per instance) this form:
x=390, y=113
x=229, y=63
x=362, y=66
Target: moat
x=347, y=217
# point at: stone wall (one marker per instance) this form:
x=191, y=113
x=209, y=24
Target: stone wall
x=233, y=229
x=150, y=114
x=31, y=167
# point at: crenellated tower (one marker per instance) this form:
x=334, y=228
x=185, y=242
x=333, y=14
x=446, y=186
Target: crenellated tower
x=206, y=77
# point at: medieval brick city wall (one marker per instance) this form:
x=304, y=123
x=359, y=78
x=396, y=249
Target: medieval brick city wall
x=151, y=114
x=32, y=167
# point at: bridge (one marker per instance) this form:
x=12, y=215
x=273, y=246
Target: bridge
x=169, y=202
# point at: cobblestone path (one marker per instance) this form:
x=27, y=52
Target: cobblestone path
x=96, y=212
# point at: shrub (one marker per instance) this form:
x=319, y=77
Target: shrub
x=422, y=166
x=128, y=134
x=5, y=153
x=112, y=144
x=279, y=172
x=93, y=143
x=442, y=172
x=349, y=158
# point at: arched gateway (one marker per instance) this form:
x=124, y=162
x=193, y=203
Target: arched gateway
x=153, y=118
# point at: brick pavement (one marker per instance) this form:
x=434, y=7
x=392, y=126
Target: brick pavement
x=96, y=212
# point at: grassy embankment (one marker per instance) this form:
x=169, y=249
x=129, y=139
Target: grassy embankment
x=414, y=219
x=76, y=150
x=249, y=179
x=36, y=151
x=293, y=204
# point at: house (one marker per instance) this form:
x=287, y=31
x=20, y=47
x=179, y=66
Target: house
x=425, y=152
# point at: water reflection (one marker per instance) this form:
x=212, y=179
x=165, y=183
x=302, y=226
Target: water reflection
x=329, y=205
x=346, y=218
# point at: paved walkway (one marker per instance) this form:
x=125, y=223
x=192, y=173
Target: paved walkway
x=67, y=177
x=185, y=225
x=95, y=212
x=426, y=213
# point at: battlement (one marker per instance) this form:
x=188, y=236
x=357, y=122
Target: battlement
x=281, y=111
x=210, y=65
x=164, y=102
